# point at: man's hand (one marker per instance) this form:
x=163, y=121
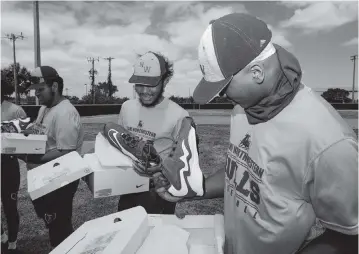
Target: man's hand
x=146, y=170
x=161, y=186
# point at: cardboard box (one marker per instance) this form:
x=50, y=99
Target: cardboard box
x=113, y=181
x=206, y=231
x=105, y=236
x=17, y=143
x=56, y=174
x=108, y=155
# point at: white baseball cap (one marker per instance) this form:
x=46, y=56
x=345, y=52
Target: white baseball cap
x=148, y=70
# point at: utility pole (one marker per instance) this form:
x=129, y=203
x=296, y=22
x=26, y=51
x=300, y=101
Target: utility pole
x=86, y=89
x=13, y=38
x=67, y=92
x=37, y=38
x=353, y=58
x=93, y=72
x=109, y=81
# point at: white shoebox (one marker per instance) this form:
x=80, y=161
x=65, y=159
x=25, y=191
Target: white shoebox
x=17, y=143
x=105, y=236
x=56, y=174
x=108, y=155
x=107, y=181
x=206, y=232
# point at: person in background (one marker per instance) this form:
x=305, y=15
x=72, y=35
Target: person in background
x=10, y=176
x=62, y=124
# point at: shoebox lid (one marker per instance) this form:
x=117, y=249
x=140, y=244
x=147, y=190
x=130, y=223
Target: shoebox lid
x=18, y=143
x=56, y=174
x=121, y=233
x=20, y=136
x=109, y=155
x=113, y=181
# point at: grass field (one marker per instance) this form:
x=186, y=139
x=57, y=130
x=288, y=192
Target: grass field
x=33, y=236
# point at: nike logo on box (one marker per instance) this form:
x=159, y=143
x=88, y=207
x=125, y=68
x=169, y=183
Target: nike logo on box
x=138, y=186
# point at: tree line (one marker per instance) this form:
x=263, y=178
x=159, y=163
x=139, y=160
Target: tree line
x=101, y=91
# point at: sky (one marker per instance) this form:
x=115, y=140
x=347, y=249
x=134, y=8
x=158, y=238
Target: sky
x=322, y=35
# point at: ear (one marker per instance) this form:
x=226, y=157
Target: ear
x=257, y=72
x=55, y=87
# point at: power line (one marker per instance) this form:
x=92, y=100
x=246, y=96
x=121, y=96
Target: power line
x=93, y=72
x=109, y=81
x=353, y=58
x=13, y=37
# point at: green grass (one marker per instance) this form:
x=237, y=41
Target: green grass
x=33, y=236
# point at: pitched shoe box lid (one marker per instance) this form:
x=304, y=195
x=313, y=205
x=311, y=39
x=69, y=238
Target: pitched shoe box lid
x=113, y=181
x=109, y=155
x=56, y=174
x=18, y=143
x=105, y=236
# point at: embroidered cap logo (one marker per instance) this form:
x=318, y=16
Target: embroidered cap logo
x=145, y=68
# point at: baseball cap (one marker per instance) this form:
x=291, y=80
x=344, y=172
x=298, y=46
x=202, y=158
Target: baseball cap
x=42, y=75
x=148, y=69
x=228, y=45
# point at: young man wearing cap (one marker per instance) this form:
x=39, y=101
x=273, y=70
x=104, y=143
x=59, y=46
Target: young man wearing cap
x=10, y=176
x=61, y=122
x=290, y=183
x=152, y=117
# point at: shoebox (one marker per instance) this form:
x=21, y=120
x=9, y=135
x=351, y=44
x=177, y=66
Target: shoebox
x=18, y=143
x=206, y=232
x=108, y=155
x=118, y=233
x=133, y=232
x=107, y=181
x=56, y=174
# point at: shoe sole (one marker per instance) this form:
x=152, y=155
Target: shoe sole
x=191, y=172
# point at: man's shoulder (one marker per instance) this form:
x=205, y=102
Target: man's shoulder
x=129, y=104
x=174, y=107
x=66, y=107
x=13, y=106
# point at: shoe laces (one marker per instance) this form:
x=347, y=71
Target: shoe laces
x=130, y=140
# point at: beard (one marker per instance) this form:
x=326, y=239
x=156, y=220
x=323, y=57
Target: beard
x=155, y=102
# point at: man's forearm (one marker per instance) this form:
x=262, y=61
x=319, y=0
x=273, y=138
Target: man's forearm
x=214, y=185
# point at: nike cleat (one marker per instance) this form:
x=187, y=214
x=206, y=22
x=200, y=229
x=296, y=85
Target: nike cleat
x=181, y=167
x=130, y=145
x=15, y=126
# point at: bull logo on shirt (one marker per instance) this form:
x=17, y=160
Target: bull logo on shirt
x=246, y=142
x=140, y=124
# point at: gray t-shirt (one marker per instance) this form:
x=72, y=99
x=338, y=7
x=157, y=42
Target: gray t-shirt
x=159, y=124
x=63, y=127
x=11, y=111
x=285, y=175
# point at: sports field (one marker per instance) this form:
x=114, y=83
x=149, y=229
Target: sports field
x=33, y=237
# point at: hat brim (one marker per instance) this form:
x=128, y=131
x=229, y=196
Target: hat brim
x=146, y=81
x=206, y=91
x=35, y=86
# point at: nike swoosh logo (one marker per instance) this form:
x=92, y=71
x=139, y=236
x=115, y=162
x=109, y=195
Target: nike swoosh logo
x=138, y=186
x=112, y=134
